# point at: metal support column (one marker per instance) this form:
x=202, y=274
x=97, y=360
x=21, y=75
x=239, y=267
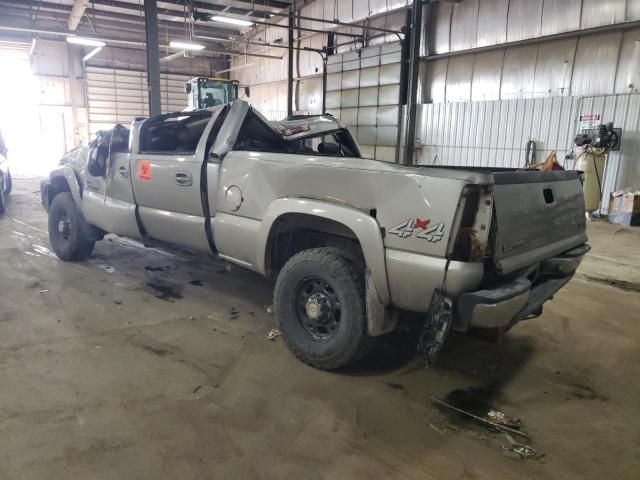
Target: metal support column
x=153, y=56
x=329, y=50
x=414, y=70
x=290, y=66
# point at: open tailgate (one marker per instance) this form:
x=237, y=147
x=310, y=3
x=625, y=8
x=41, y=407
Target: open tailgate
x=537, y=215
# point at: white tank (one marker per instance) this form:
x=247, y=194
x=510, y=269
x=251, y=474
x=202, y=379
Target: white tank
x=591, y=162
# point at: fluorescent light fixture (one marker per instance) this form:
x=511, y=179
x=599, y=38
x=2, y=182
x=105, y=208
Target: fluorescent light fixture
x=91, y=54
x=185, y=45
x=89, y=42
x=231, y=20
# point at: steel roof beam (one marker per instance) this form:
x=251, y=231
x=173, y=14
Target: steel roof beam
x=77, y=11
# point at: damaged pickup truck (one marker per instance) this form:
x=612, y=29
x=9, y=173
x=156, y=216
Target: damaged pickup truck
x=352, y=241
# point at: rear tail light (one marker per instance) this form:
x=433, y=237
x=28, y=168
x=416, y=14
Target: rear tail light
x=472, y=224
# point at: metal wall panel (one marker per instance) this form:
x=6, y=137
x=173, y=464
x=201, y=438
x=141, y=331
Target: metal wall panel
x=360, y=9
x=628, y=76
x=518, y=72
x=344, y=11
x=440, y=31
x=633, y=10
x=554, y=68
x=377, y=7
x=435, y=81
x=492, y=22
x=603, y=12
x=560, y=16
x=487, y=72
x=464, y=25
x=459, y=73
x=596, y=64
x=524, y=20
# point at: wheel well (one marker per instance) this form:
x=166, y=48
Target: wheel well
x=293, y=232
x=58, y=185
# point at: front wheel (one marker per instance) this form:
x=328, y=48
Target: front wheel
x=8, y=184
x=319, y=300
x=68, y=229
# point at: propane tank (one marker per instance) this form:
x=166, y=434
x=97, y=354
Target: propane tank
x=591, y=161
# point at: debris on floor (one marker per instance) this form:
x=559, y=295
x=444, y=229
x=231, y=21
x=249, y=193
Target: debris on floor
x=269, y=309
x=500, y=418
x=107, y=268
x=479, y=419
x=44, y=291
x=273, y=334
x=161, y=268
x=525, y=452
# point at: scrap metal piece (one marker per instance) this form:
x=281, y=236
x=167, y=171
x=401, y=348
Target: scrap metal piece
x=273, y=334
x=480, y=419
x=496, y=416
x=436, y=328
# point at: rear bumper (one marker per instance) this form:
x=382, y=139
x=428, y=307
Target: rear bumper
x=508, y=303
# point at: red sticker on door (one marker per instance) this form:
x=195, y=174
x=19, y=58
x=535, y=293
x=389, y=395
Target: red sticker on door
x=144, y=170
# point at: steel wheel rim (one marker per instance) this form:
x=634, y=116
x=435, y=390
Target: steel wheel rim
x=318, y=308
x=63, y=227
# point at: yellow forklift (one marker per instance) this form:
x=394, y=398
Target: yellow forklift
x=206, y=92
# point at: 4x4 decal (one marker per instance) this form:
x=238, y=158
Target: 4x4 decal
x=423, y=229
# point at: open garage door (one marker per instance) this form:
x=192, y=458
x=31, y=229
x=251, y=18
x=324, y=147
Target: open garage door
x=116, y=96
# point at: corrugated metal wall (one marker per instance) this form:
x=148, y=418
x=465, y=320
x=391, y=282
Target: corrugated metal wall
x=495, y=133
x=481, y=108
x=116, y=96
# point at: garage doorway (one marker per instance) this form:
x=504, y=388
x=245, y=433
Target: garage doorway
x=34, y=134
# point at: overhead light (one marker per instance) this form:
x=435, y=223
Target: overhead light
x=89, y=42
x=91, y=54
x=231, y=20
x=185, y=45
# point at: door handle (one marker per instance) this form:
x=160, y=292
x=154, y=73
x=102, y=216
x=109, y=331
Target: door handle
x=184, y=179
x=124, y=172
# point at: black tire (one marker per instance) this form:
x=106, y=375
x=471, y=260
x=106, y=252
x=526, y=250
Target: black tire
x=68, y=230
x=325, y=278
x=8, y=184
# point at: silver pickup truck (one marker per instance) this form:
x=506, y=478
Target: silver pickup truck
x=351, y=240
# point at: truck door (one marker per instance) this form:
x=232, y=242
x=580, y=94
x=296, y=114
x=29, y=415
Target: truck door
x=166, y=172
x=108, y=195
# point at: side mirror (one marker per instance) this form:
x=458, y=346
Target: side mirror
x=247, y=92
x=187, y=87
x=97, y=163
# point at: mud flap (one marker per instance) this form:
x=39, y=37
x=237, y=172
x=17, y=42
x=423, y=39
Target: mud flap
x=436, y=328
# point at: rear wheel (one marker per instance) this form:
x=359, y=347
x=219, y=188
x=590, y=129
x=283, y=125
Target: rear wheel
x=319, y=300
x=68, y=230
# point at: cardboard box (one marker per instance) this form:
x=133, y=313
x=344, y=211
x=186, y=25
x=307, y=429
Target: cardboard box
x=624, y=208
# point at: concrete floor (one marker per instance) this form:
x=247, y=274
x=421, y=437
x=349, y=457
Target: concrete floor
x=105, y=377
